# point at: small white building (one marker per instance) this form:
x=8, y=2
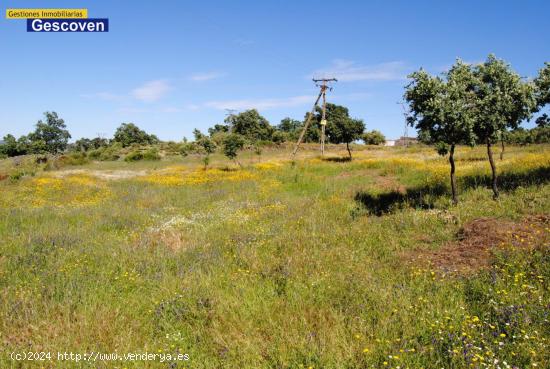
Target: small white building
x=402, y=141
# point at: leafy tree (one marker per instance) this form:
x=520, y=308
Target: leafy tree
x=279, y=137
x=231, y=146
x=98, y=142
x=289, y=125
x=205, y=145
x=13, y=147
x=543, y=121
x=522, y=136
x=287, y=129
x=251, y=125
x=83, y=144
x=8, y=147
x=50, y=135
x=441, y=110
x=218, y=128
x=346, y=131
x=502, y=102
x=86, y=144
x=313, y=133
x=542, y=83
x=340, y=127
x=373, y=137
x=128, y=134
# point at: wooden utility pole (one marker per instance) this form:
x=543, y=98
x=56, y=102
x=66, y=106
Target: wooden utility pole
x=323, y=85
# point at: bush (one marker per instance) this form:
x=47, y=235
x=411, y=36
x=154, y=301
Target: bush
x=151, y=155
x=95, y=154
x=279, y=137
x=134, y=156
x=76, y=158
x=137, y=155
x=187, y=148
x=373, y=137
x=171, y=148
x=109, y=153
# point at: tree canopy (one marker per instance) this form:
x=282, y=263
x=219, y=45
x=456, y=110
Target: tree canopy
x=251, y=125
x=50, y=134
x=373, y=137
x=341, y=128
x=128, y=134
x=542, y=83
x=232, y=144
x=502, y=102
x=502, y=99
x=442, y=110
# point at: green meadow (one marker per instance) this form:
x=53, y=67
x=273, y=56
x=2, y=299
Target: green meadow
x=317, y=263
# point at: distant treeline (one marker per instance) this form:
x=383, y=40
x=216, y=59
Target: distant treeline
x=247, y=129
x=469, y=104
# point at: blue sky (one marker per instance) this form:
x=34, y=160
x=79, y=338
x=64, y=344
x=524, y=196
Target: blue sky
x=171, y=66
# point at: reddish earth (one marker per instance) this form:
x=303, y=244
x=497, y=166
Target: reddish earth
x=477, y=240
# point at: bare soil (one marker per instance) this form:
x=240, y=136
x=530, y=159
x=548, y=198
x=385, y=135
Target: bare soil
x=477, y=240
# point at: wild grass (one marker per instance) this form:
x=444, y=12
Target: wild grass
x=275, y=265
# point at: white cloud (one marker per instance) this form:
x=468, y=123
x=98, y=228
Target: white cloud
x=151, y=91
x=349, y=71
x=260, y=103
x=205, y=76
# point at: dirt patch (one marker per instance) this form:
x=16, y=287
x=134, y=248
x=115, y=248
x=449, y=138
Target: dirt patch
x=390, y=183
x=477, y=240
x=3, y=176
x=383, y=182
x=102, y=174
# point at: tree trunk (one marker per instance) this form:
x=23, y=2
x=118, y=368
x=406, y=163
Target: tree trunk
x=502, y=150
x=349, y=151
x=453, y=179
x=493, y=170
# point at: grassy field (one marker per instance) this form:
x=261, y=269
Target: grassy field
x=317, y=264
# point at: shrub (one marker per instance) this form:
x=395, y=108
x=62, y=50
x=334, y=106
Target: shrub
x=95, y=154
x=373, y=137
x=134, y=156
x=137, y=155
x=76, y=158
x=151, y=154
x=111, y=153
